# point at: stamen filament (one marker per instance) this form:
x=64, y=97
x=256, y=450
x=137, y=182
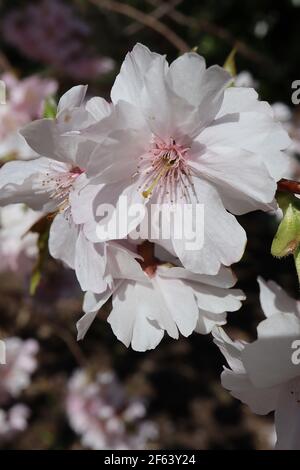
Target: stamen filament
x=149, y=191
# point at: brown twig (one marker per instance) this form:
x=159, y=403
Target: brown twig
x=143, y=18
x=4, y=63
x=72, y=344
x=221, y=33
x=288, y=186
x=162, y=9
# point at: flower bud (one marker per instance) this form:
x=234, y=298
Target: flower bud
x=287, y=238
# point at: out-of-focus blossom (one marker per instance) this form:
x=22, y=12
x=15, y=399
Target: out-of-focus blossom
x=21, y=362
x=27, y=96
x=18, y=246
x=15, y=377
x=102, y=414
x=266, y=374
x=12, y=421
x=245, y=79
x=50, y=32
x=282, y=112
x=87, y=67
x=261, y=28
x=24, y=102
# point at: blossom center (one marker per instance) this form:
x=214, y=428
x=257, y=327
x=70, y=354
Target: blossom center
x=163, y=167
x=60, y=185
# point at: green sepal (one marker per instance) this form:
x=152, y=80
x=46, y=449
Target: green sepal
x=287, y=238
x=297, y=261
x=50, y=108
x=230, y=65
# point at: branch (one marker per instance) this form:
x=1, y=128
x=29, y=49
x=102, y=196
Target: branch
x=4, y=63
x=222, y=34
x=72, y=344
x=162, y=9
x=288, y=186
x=147, y=20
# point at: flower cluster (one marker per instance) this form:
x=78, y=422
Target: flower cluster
x=100, y=412
x=173, y=135
x=15, y=376
x=176, y=137
x=49, y=32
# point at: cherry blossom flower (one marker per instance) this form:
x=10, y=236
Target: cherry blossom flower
x=264, y=374
x=18, y=246
x=50, y=32
x=12, y=421
x=105, y=418
x=15, y=376
x=28, y=95
x=150, y=298
x=46, y=183
x=180, y=135
x=21, y=362
x=245, y=79
x=25, y=101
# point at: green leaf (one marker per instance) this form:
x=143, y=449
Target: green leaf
x=50, y=108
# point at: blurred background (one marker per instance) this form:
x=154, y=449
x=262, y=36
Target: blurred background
x=56, y=393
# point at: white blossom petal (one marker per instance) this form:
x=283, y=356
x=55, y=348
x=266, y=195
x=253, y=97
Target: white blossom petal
x=287, y=417
x=91, y=305
x=62, y=240
x=274, y=299
x=73, y=98
x=133, y=305
x=90, y=262
x=129, y=83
